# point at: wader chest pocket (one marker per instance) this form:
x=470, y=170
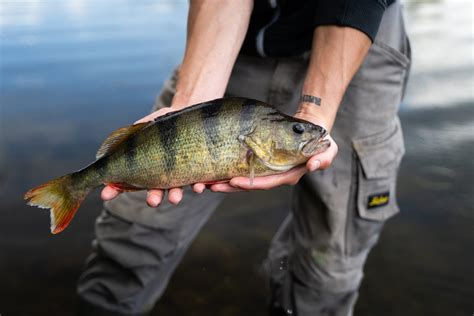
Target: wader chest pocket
x=379, y=157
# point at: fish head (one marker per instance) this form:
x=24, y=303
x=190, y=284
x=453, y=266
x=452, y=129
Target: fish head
x=284, y=142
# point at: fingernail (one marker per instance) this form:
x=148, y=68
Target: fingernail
x=314, y=165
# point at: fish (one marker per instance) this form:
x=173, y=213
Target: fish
x=209, y=142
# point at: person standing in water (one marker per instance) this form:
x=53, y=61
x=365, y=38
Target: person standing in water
x=342, y=65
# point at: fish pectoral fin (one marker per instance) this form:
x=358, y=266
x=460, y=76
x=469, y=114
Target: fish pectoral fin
x=255, y=152
x=251, y=163
x=253, y=146
x=117, y=137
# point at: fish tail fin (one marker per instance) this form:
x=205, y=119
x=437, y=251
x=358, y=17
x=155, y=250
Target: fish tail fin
x=62, y=196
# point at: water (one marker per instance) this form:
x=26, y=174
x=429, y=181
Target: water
x=442, y=35
x=72, y=71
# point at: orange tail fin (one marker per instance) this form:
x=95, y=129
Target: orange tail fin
x=60, y=197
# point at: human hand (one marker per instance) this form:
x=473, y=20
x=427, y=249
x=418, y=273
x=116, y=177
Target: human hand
x=154, y=196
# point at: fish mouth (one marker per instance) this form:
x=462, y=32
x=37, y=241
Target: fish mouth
x=315, y=145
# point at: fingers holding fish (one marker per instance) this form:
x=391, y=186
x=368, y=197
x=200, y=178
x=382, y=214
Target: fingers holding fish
x=224, y=187
x=324, y=159
x=175, y=195
x=290, y=177
x=108, y=193
x=219, y=186
x=199, y=187
x=154, y=197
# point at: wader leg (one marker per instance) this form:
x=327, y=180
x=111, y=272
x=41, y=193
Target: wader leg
x=137, y=248
x=316, y=259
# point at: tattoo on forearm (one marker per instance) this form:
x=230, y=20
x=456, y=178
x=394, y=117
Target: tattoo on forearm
x=311, y=99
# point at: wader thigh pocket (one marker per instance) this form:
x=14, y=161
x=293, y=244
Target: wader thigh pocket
x=379, y=157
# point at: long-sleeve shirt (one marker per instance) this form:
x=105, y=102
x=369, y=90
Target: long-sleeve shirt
x=285, y=27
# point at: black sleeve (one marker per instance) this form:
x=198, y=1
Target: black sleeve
x=364, y=15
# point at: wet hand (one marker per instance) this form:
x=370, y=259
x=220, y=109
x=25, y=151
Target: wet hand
x=154, y=196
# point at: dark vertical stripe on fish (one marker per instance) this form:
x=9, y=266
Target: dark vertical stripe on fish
x=167, y=133
x=210, y=119
x=130, y=152
x=246, y=115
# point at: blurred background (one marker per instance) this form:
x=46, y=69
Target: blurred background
x=72, y=71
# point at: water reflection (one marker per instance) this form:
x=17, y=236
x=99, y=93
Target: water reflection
x=71, y=71
x=443, y=49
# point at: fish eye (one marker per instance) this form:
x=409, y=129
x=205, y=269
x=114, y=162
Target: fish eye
x=298, y=128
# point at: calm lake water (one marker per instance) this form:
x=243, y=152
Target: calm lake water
x=72, y=71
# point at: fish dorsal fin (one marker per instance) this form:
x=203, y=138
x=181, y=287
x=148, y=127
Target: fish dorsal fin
x=117, y=137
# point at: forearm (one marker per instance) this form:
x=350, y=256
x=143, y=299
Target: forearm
x=336, y=55
x=216, y=30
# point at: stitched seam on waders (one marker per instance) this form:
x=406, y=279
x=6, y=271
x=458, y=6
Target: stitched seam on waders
x=352, y=203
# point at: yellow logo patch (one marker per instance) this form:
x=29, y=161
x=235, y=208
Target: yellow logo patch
x=379, y=199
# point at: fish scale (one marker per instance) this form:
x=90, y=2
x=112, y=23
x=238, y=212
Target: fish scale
x=207, y=142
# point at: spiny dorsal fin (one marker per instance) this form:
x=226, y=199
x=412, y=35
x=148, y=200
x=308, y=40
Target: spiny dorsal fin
x=117, y=137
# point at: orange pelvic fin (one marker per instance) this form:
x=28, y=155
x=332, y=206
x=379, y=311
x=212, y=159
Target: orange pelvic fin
x=124, y=187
